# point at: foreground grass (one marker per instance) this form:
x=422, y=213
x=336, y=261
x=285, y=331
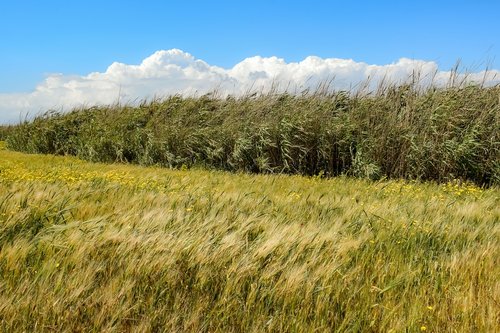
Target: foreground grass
x=92, y=247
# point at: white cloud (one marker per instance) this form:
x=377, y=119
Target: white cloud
x=178, y=72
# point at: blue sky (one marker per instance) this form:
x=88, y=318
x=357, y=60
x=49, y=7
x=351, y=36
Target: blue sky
x=78, y=37
x=60, y=54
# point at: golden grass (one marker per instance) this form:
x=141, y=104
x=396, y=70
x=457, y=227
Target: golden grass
x=118, y=248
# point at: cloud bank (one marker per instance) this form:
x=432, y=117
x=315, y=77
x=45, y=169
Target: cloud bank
x=176, y=72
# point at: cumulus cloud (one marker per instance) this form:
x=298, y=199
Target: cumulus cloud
x=177, y=72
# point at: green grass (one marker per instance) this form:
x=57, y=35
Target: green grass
x=119, y=248
x=399, y=132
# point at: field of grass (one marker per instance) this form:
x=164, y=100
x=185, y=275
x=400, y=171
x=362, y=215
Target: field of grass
x=119, y=248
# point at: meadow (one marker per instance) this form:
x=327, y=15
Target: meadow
x=122, y=248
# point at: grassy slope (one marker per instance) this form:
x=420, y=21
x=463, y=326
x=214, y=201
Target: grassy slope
x=124, y=248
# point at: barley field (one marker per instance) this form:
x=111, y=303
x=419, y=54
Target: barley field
x=90, y=247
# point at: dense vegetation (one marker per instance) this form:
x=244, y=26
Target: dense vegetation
x=5, y=130
x=399, y=132
x=119, y=248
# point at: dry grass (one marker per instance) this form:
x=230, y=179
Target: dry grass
x=117, y=248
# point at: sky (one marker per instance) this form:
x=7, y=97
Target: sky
x=56, y=54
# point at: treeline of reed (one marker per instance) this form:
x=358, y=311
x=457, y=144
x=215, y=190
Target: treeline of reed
x=4, y=131
x=399, y=132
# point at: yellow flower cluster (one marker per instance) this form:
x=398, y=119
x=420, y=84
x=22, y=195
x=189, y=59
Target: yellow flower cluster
x=402, y=188
x=453, y=188
x=11, y=171
x=458, y=188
